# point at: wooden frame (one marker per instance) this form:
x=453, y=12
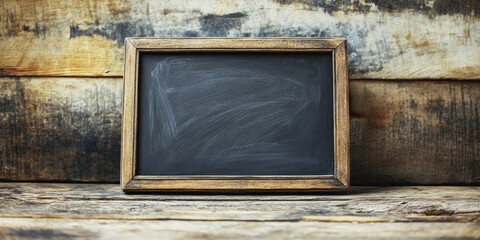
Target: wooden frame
x=130, y=182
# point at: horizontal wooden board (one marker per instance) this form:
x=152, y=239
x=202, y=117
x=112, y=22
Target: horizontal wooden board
x=60, y=130
x=361, y=204
x=25, y=228
x=436, y=39
x=103, y=211
x=422, y=132
x=416, y=132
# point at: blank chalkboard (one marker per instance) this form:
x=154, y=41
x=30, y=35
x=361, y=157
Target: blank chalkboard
x=235, y=115
x=248, y=113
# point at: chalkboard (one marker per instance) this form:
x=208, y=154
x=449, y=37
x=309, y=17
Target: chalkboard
x=235, y=114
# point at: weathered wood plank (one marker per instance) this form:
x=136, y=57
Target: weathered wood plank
x=366, y=204
x=107, y=192
x=435, y=39
x=422, y=132
x=60, y=130
x=417, y=132
x=21, y=228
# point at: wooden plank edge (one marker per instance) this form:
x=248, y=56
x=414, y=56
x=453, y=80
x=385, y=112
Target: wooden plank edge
x=232, y=185
x=394, y=218
x=28, y=74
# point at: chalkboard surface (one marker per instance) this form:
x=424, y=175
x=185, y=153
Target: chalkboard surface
x=235, y=113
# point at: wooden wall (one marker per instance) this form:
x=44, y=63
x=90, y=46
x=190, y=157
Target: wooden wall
x=414, y=68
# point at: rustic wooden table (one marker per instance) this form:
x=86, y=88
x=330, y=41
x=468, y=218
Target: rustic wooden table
x=102, y=211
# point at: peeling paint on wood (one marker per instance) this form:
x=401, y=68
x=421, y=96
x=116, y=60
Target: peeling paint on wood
x=220, y=25
x=114, y=31
x=60, y=130
x=408, y=39
x=423, y=132
x=431, y=7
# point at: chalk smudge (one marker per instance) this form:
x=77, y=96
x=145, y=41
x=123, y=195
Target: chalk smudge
x=207, y=113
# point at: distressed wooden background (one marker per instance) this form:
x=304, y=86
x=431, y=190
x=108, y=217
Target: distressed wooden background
x=414, y=79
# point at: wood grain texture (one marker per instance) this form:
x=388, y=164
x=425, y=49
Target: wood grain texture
x=129, y=138
x=360, y=204
x=423, y=132
x=24, y=228
x=417, y=132
x=220, y=44
x=436, y=39
x=342, y=115
x=60, y=129
x=247, y=184
x=103, y=211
